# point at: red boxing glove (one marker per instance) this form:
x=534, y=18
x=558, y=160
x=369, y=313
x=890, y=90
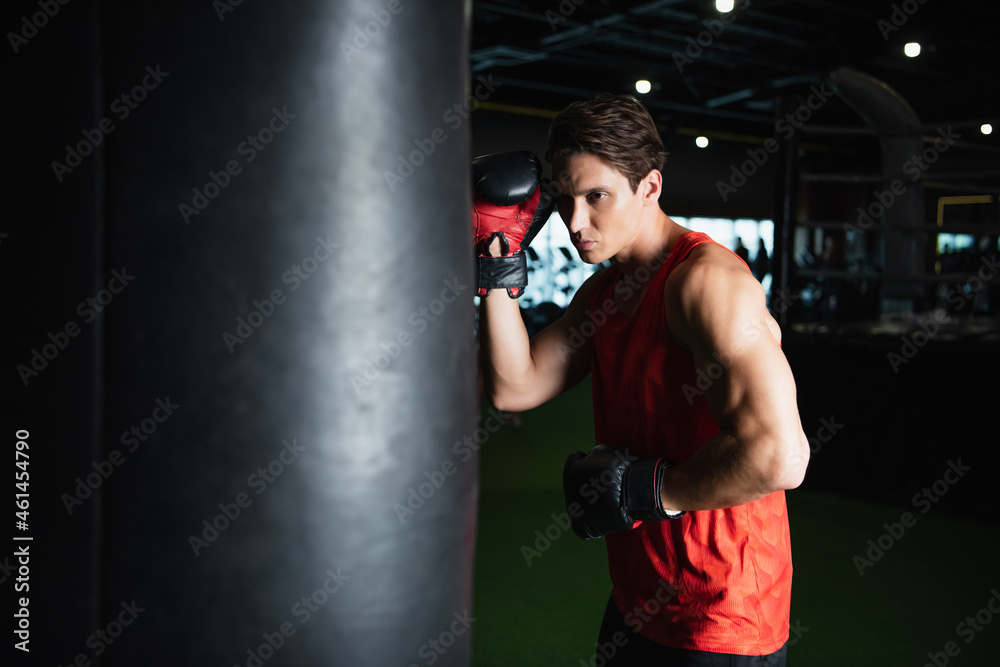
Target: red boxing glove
x=509, y=204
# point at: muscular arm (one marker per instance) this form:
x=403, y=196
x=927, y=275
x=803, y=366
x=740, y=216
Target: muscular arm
x=715, y=308
x=520, y=374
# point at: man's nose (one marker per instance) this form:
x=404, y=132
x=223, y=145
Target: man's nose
x=575, y=217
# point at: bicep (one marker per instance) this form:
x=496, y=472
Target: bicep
x=724, y=322
x=754, y=396
x=754, y=402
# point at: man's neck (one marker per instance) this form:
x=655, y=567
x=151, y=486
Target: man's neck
x=651, y=247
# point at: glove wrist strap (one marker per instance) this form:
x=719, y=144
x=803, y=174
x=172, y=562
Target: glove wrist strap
x=642, y=495
x=510, y=272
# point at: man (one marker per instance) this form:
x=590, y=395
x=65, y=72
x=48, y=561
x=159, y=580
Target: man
x=694, y=402
x=742, y=251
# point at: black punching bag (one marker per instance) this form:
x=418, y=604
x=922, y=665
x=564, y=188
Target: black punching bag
x=292, y=362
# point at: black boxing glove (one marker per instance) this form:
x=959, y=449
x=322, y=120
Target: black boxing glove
x=509, y=204
x=608, y=490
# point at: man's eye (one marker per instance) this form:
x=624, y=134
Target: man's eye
x=596, y=196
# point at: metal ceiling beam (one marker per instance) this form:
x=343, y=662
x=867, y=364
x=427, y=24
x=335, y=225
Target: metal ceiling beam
x=734, y=27
x=717, y=52
x=503, y=56
x=767, y=89
x=731, y=97
x=647, y=101
x=501, y=9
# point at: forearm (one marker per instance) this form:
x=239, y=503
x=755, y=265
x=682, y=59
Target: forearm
x=505, y=348
x=727, y=471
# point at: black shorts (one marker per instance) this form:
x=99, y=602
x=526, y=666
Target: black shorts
x=619, y=645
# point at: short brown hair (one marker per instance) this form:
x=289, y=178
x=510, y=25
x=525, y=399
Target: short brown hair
x=617, y=128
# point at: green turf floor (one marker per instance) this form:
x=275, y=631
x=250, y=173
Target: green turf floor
x=540, y=591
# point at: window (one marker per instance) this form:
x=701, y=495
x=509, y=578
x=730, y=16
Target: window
x=556, y=272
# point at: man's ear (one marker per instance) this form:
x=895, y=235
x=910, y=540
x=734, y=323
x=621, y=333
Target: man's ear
x=651, y=187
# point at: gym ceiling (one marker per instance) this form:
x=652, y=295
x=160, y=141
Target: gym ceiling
x=712, y=71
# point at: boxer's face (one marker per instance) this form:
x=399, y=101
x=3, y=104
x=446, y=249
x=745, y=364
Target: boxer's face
x=598, y=205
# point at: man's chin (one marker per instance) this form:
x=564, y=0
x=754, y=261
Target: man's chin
x=591, y=256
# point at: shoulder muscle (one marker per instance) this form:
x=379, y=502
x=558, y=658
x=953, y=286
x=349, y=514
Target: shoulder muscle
x=712, y=299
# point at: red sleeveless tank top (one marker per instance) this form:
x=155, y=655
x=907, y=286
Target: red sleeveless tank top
x=717, y=580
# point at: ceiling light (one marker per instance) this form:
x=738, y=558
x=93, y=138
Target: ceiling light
x=986, y=128
x=643, y=86
x=724, y=6
x=912, y=49
x=701, y=142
